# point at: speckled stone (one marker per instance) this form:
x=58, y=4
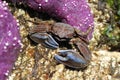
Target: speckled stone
x=9, y=40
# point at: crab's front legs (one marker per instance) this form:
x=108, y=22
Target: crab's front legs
x=71, y=58
x=75, y=59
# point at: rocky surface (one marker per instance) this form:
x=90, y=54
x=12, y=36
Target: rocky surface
x=37, y=62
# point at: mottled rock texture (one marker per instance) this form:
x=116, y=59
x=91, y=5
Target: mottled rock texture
x=9, y=41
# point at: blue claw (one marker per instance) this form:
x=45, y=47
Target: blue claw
x=45, y=39
x=71, y=58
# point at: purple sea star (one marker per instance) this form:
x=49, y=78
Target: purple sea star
x=74, y=12
x=9, y=41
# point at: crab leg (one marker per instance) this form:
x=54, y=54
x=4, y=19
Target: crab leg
x=45, y=39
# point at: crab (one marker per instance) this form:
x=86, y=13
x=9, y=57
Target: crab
x=76, y=53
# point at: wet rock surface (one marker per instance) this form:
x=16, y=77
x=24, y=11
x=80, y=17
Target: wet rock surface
x=39, y=64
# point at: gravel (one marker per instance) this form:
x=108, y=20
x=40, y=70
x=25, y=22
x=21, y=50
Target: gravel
x=37, y=62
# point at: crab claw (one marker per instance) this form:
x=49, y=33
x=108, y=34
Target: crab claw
x=45, y=39
x=71, y=58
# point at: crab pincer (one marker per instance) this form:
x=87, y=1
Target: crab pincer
x=75, y=59
x=45, y=39
x=71, y=58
